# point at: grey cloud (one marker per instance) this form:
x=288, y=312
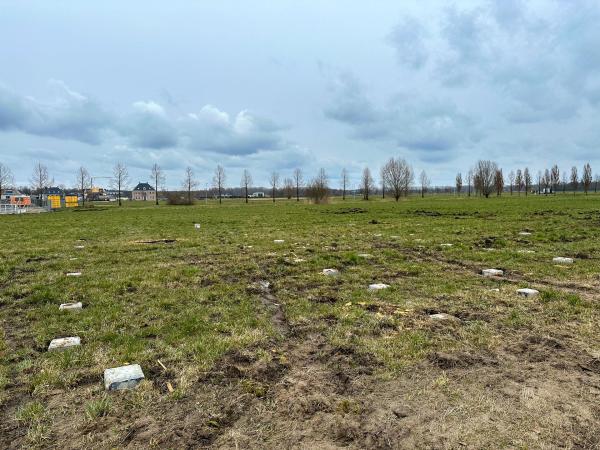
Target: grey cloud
x=148, y=126
x=69, y=115
x=408, y=39
x=213, y=130
x=423, y=125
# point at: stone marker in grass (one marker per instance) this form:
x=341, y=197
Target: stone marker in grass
x=70, y=306
x=378, y=286
x=492, y=272
x=124, y=377
x=525, y=233
x=74, y=274
x=331, y=272
x=562, y=260
x=197, y=226
x=527, y=292
x=443, y=317
x=278, y=241
x=64, y=343
x=494, y=290
x=445, y=245
x=80, y=246
x=364, y=255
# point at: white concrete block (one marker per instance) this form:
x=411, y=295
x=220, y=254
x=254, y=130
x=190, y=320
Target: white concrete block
x=80, y=246
x=492, y=272
x=527, y=292
x=124, y=377
x=74, y=274
x=378, y=286
x=445, y=245
x=444, y=316
x=331, y=272
x=278, y=241
x=64, y=343
x=197, y=226
x=365, y=255
x=562, y=260
x=70, y=306
x=494, y=290
x=73, y=259
x=525, y=233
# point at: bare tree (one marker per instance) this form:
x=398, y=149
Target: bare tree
x=424, y=180
x=159, y=179
x=554, y=178
x=398, y=176
x=40, y=179
x=586, y=178
x=539, y=181
x=511, y=180
x=318, y=188
x=274, y=181
x=459, y=183
x=485, y=172
x=189, y=184
x=83, y=182
x=219, y=181
x=366, y=183
x=288, y=188
x=499, y=181
x=574, y=179
x=246, y=182
x=596, y=181
x=382, y=176
x=6, y=177
x=297, y=182
x=526, y=180
x=344, y=180
x=469, y=180
x=519, y=181
x=120, y=179
x=564, y=181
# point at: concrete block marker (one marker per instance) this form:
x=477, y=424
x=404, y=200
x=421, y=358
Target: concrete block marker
x=124, y=377
x=80, y=246
x=364, y=255
x=524, y=233
x=562, y=260
x=445, y=245
x=64, y=343
x=331, y=272
x=197, y=226
x=70, y=306
x=73, y=259
x=494, y=290
x=492, y=272
x=278, y=241
x=527, y=292
x=444, y=317
x=73, y=274
x=378, y=286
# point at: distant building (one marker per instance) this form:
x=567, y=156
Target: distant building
x=143, y=191
x=257, y=195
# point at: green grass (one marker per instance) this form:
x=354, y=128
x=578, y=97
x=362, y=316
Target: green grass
x=188, y=303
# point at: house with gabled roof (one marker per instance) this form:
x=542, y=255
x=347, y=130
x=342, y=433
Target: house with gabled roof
x=143, y=192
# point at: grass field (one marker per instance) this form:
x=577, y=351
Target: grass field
x=307, y=360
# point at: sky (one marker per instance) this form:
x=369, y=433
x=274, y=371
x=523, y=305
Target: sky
x=271, y=86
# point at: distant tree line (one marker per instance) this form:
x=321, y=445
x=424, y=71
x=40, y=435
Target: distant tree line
x=397, y=179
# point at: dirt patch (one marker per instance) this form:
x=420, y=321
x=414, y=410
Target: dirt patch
x=158, y=241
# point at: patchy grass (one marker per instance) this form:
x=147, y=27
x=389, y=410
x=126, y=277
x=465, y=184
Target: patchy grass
x=155, y=288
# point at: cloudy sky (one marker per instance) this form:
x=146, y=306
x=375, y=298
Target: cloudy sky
x=270, y=85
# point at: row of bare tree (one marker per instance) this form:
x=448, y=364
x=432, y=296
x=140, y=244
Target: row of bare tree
x=396, y=178
x=486, y=178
